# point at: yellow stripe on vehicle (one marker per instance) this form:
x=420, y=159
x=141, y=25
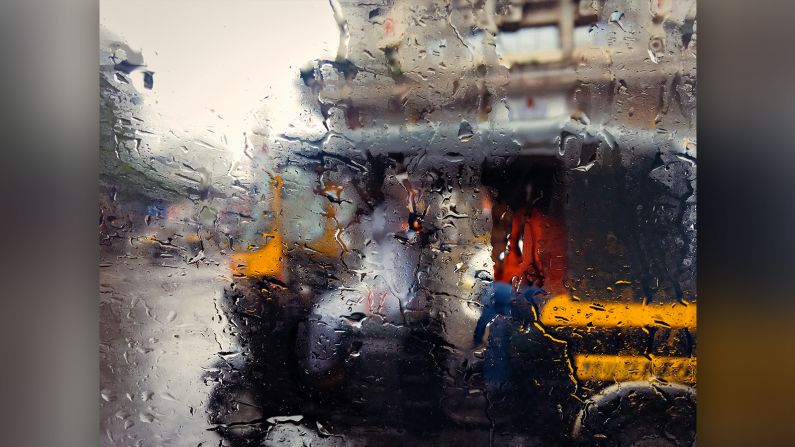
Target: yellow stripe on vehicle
x=563, y=311
x=621, y=368
x=266, y=260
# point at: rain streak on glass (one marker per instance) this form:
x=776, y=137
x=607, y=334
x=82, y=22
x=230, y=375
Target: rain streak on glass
x=462, y=222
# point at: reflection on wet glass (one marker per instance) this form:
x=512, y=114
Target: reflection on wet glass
x=398, y=223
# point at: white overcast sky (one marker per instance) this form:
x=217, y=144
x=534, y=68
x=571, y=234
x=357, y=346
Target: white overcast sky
x=222, y=55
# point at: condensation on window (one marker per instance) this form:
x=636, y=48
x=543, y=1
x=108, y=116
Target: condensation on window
x=462, y=222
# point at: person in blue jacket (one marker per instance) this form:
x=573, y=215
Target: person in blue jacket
x=500, y=304
x=497, y=356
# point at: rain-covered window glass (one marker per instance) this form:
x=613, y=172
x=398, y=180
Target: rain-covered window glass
x=383, y=222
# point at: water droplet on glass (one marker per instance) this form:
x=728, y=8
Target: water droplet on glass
x=465, y=132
